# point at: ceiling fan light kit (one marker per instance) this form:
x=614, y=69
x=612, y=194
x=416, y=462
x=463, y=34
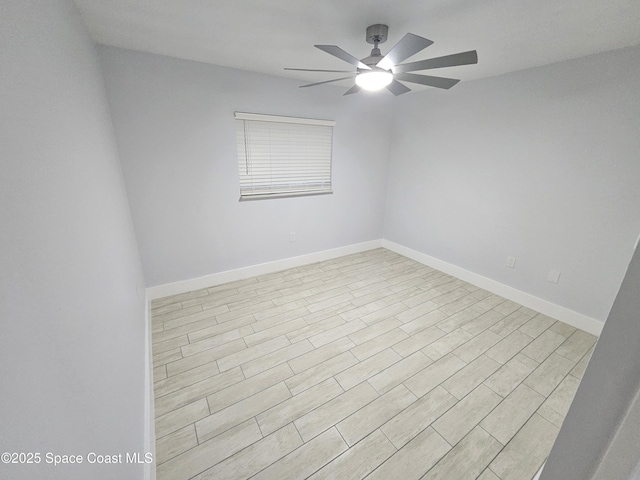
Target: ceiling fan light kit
x=373, y=80
x=376, y=71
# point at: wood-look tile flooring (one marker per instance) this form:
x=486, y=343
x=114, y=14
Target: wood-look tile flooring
x=370, y=365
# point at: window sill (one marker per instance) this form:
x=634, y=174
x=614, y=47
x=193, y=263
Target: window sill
x=282, y=195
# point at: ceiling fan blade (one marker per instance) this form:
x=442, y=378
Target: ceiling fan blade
x=464, y=58
x=327, y=81
x=408, y=45
x=313, y=70
x=397, y=88
x=352, y=90
x=438, y=82
x=342, y=55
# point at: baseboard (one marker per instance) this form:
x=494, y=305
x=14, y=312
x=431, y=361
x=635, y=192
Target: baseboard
x=566, y=315
x=254, y=270
x=149, y=414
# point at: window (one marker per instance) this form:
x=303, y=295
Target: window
x=283, y=156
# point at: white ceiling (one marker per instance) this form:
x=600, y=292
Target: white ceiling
x=267, y=35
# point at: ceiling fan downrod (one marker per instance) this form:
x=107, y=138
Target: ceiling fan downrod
x=376, y=34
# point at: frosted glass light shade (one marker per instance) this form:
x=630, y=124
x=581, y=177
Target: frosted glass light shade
x=374, y=80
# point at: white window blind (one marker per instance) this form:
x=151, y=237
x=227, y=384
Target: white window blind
x=281, y=156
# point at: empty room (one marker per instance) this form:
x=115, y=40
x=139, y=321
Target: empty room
x=326, y=240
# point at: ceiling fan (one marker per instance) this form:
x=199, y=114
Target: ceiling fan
x=377, y=71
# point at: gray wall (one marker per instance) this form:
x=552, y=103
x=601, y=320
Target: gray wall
x=71, y=285
x=176, y=136
x=540, y=164
x=599, y=437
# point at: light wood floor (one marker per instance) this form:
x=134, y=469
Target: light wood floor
x=370, y=365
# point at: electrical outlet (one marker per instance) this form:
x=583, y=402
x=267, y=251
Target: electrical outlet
x=511, y=262
x=292, y=237
x=554, y=276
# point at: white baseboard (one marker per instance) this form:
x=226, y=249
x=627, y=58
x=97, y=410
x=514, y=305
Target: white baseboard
x=566, y=315
x=254, y=270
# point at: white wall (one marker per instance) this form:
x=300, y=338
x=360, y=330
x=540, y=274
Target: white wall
x=599, y=437
x=540, y=164
x=71, y=285
x=176, y=135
